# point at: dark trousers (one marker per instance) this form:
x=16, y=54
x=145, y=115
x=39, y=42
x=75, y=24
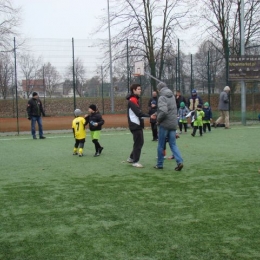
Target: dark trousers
x=205, y=126
x=195, y=130
x=154, y=131
x=138, y=138
x=184, y=125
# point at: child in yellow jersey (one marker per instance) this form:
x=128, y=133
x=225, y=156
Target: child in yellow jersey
x=198, y=122
x=78, y=127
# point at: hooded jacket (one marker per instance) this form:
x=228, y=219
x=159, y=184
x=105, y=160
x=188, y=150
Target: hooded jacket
x=167, y=109
x=35, y=108
x=95, y=117
x=223, y=101
x=134, y=113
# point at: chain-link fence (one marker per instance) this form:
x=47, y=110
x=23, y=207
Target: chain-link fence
x=79, y=68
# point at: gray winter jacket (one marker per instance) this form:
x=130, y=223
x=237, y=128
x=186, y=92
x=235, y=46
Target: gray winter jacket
x=223, y=103
x=167, y=109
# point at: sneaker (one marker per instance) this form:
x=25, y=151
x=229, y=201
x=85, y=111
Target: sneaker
x=193, y=134
x=75, y=153
x=34, y=137
x=158, y=167
x=171, y=157
x=100, y=150
x=137, y=165
x=96, y=154
x=80, y=154
x=179, y=167
x=42, y=137
x=130, y=160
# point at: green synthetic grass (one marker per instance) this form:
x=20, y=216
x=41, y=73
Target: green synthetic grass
x=57, y=206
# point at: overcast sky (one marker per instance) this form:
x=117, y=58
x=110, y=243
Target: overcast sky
x=62, y=19
x=66, y=19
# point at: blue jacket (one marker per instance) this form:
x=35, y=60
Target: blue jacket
x=208, y=113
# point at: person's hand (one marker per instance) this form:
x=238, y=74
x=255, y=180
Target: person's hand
x=153, y=116
x=177, y=136
x=95, y=124
x=29, y=118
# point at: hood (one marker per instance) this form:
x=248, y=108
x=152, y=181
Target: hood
x=129, y=95
x=166, y=92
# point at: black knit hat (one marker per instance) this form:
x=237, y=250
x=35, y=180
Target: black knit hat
x=34, y=94
x=93, y=107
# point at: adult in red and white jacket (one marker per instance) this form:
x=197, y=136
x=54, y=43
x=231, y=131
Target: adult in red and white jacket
x=135, y=123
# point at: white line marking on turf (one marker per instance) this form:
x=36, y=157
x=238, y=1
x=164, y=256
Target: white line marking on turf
x=16, y=138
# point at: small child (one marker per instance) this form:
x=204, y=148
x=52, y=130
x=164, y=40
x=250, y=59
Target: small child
x=95, y=121
x=78, y=127
x=152, y=110
x=182, y=113
x=197, y=124
x=207, y=117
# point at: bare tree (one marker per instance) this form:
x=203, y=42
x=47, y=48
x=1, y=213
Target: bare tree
x=9, y=21
x=6, y=75
x=149, y=25
x=51, y=78
x=209, y=67
x=29, y=67
x=224, y=26
x=79, y=72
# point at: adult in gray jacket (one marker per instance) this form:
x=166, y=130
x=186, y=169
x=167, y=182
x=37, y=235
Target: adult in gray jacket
x=168, y=123
x=223, y=106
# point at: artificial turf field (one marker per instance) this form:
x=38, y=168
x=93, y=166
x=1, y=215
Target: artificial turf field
x=54, y=205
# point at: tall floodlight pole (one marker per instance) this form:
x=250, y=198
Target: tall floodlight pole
x=242, y=47
x=73, y=74
x=127, y=63
x=110, y=61
x=179, y=70
x=16, y=88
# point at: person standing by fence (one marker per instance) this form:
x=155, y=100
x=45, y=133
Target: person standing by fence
x=223, y=106
x=34, y=112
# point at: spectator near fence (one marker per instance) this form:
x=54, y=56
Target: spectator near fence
x=34, y=112
x=179, y=98
x=194, y=100
x=223, y=106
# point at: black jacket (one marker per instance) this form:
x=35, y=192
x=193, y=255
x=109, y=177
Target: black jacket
x=34, y=108
x=96, y=118
x=134, y=113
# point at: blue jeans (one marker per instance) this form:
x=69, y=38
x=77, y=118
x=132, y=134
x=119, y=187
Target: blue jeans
x=171, y=134
x=37, y=119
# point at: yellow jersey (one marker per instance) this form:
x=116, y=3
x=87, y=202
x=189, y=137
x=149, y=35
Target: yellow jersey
x=78, y=124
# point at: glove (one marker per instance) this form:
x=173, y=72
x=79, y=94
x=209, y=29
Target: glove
x=29, y=118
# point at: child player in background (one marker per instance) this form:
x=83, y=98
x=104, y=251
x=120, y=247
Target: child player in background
x=95, y=121
x=198, y=124
x=78, y=127
x=182, y=113
x=207, y=117
x=152, y=110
